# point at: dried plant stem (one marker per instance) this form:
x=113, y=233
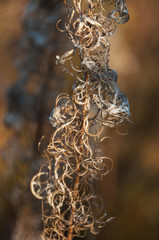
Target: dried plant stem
x=70, y=236
x=65, y=184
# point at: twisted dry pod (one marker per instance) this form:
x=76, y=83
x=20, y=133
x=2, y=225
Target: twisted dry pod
x=73, y=158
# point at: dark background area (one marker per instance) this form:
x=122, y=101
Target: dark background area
x=29, y=84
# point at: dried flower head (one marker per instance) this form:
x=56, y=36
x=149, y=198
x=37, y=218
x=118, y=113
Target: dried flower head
x=73, y=157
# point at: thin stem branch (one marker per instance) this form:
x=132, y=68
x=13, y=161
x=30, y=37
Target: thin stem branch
x=70, y=234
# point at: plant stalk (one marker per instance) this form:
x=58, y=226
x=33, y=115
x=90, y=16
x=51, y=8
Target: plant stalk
x=70, y=234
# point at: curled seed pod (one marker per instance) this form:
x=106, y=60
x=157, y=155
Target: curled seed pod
x=120, y=13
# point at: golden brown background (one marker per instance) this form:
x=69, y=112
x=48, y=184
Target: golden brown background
x=131, y=191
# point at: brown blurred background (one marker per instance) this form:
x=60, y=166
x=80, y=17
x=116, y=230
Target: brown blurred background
x=131, y=191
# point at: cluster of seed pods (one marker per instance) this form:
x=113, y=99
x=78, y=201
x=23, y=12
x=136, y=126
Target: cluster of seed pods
x=73, y=158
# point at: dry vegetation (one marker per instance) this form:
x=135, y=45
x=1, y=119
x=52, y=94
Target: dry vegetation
x=74, y=159
x=131, y=190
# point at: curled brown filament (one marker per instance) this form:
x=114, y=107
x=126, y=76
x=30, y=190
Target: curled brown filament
x=73, y=160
